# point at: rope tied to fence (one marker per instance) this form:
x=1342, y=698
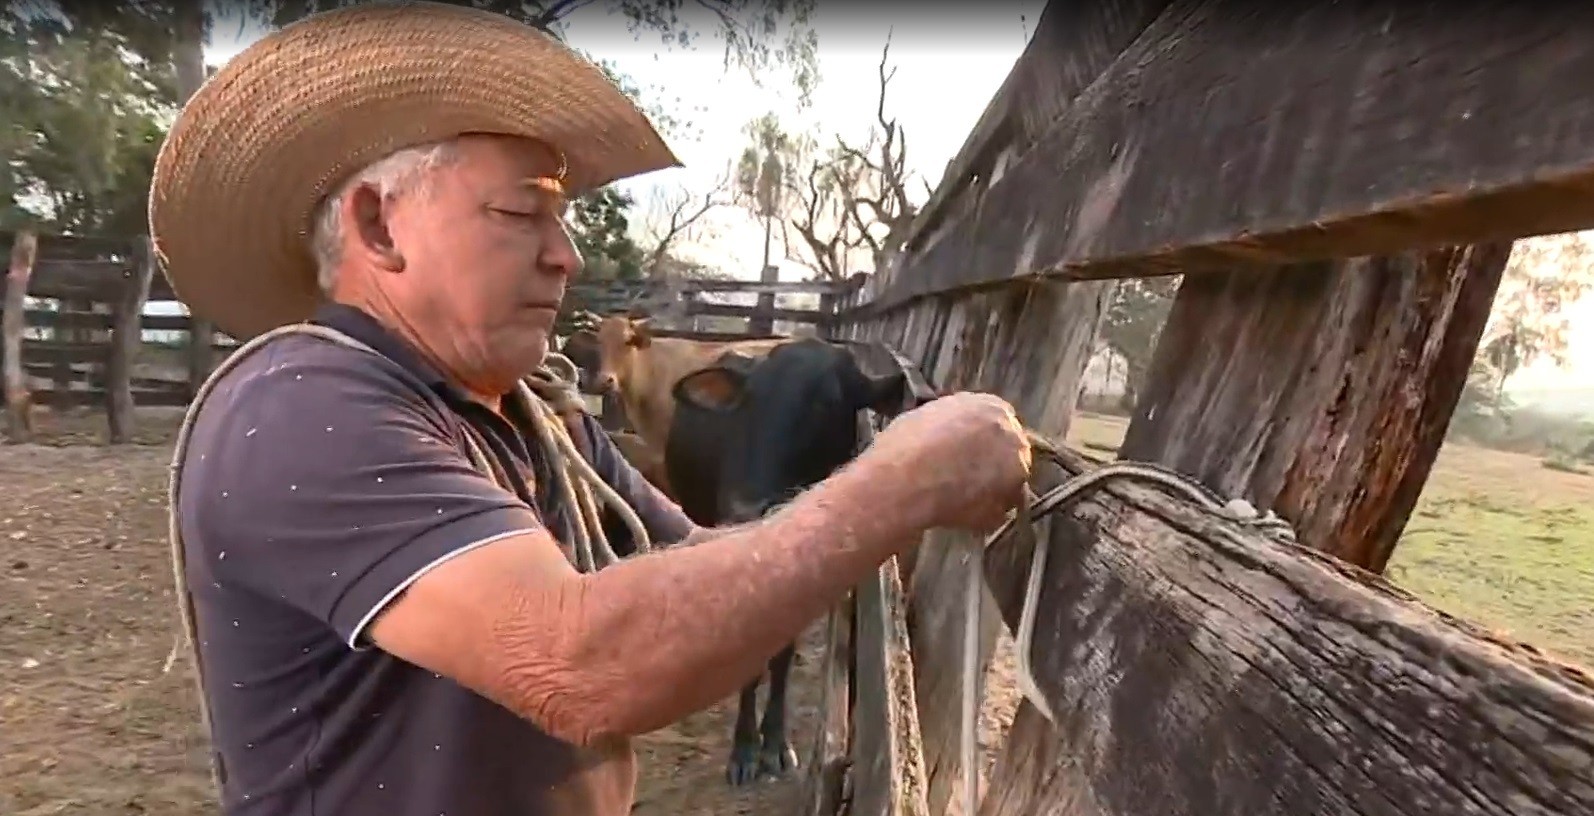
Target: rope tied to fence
x=547, y=397
x=1021, y=525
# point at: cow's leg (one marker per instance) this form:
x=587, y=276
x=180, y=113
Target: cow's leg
x=743, y=767
x=776, y=756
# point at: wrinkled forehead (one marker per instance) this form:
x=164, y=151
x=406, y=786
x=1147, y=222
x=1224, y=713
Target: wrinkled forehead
x=521, y=163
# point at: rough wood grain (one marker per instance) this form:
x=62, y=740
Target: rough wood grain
x=1322, y=391
x=1031, y=345
x=24, y=249
x=1072, y=44
x=93, y=279
x=127, y=339
x=829, y=759
x=887, y=765
x=1198, y=668
x=1242, y=133
x=756, y=312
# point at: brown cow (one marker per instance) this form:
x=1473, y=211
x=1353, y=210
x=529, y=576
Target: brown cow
x=581, y=347
x=644, y=369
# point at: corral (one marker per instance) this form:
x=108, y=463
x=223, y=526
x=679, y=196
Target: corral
x=1340, y=190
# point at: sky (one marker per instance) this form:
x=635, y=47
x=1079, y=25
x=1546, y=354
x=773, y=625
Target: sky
x=949, y=61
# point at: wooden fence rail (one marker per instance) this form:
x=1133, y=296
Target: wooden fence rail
x=1342, y=185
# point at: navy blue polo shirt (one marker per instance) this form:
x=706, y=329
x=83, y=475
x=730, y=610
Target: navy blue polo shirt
x=319, y=482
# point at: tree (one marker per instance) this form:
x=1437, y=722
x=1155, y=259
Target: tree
x=855, y=198
x=672, y=216
x=758, y=34
x=1136, y=312
x=764, y=176
x=86, y=94
x=601, y=229
x=1544, y=275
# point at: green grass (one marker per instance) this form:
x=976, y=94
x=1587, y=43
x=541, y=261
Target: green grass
x=1497, y=538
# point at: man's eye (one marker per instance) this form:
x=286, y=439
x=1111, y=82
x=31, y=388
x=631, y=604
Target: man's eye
x=513, y=213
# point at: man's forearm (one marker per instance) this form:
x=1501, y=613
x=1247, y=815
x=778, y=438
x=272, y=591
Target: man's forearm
x=692, y=624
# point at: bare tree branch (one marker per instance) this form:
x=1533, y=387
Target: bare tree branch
x=679, y=215
x=860, y=193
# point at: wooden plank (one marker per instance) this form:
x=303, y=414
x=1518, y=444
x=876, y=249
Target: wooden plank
x=698, y=307
x=101, y=321
x=54, y=247
x=19, y=416
x=824, y=785
x=1200, y=669
x=1322, y=391
x=87, y=279
x=887, y=767
x=1241, y=134
x=95, y=398
x=69, y=352
x=710, y=336
x=201, y=352
x=1072, y=44
x=126, y=342
x=1031, y=345
x=760, y=287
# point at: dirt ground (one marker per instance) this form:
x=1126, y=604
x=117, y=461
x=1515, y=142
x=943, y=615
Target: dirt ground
x=89, y=722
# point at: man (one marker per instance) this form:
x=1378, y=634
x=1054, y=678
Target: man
x=384, y=624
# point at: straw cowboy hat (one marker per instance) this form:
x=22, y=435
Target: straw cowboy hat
x=284, y=122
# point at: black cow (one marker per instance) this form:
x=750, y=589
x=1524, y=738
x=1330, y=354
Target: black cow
x=751, y=433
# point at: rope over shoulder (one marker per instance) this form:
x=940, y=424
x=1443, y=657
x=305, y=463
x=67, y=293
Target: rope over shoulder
x=549, y=397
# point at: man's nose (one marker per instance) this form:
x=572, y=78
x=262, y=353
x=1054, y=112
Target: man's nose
x=560, y=257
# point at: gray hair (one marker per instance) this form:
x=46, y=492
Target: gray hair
x=393, y=175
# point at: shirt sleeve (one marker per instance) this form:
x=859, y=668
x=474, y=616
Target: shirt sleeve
x=333, y=485
x=664, y=520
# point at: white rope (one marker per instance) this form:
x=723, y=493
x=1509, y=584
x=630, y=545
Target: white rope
x=540, y=394
x=1023, y=518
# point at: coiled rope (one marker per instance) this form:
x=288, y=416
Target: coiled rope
x=547, y=396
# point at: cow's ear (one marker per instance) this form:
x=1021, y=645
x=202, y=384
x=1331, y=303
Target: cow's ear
x=717, y=388
x=886, y=382
x=641, y=335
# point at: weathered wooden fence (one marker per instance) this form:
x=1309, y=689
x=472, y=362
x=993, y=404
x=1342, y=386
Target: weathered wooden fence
x=1340, y=184
x=704, y=308
x=77, y=332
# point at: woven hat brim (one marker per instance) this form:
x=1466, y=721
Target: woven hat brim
x=288, y=119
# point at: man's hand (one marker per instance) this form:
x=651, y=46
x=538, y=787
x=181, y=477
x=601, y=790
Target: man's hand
x=965, y=455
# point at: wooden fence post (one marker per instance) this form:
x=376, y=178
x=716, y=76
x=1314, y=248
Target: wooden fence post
x=127, y=339
x=1321, y=391
x=13, y=317
x=828, y=761
x=201, y=354
x=887, y=754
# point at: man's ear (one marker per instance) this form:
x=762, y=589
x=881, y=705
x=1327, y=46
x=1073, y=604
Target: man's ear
x=363, y=207
x=883, y=380
x=719, y=387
